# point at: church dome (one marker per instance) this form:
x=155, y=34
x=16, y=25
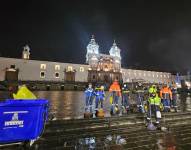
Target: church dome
x=115, y=50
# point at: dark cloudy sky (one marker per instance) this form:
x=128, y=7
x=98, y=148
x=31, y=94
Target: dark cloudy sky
x=152, y=35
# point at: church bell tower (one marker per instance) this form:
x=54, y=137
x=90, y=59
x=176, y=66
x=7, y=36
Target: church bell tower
x=26, y=52
x=92, y=51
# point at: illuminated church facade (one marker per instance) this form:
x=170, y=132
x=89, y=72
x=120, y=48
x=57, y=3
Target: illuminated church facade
x=98, y=68
x=102, y=67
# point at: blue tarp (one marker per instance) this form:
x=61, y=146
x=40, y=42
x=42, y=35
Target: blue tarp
x=22, y=120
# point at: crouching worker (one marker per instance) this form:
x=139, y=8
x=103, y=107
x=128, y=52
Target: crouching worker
x=99, y=98
x=89, y=94
x=154, y=102
x=24, y=93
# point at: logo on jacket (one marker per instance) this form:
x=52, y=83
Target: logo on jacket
x=14, y=119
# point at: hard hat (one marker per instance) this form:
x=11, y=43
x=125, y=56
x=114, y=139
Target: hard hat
x=102, y=87
x=154, y=86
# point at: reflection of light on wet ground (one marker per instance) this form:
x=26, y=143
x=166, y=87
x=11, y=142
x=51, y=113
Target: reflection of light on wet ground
x=166, y=142
x=87, y=143
x=188, y=103
x=108, y=142
x=70, y=104
x=116, y=139
x=160, y=144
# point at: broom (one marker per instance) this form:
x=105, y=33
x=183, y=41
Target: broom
x=151, y=126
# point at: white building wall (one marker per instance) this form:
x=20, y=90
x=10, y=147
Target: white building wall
x=81, y=73
x=149, y=76
x=30, y=70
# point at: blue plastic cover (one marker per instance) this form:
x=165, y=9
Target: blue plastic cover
x=22, y=120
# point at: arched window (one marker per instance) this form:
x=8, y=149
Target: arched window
x=57, y=74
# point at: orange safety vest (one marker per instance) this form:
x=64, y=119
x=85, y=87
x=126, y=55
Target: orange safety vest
x=166, y=93
x=115, y=87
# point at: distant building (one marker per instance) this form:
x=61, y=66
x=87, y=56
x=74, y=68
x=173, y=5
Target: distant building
x=99, y=68
x=103, y=68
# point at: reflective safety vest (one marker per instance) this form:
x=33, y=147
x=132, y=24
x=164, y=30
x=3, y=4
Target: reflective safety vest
x=154, y=100
x=115, y=87
x=166, y=93
x=125, y=90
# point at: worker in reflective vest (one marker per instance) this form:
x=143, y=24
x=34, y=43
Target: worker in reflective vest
x=174, y=98
x=154, y=102
x=115, y=94
x=125, y=96
x=166, y=96
x=139, y=89
x=99, y=97
x=89, y=94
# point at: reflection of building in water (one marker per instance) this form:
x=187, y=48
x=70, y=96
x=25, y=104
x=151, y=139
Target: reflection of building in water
x=99, y=68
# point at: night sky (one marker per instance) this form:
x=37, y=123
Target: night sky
x=152, y=35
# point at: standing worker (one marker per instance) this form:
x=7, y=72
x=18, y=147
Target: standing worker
x=125, y=98
x=99, y=98
x=89, y=94
x=166, y=96
x=154, y=105
x=174, y=98
x=140, y=97
x=115, y=94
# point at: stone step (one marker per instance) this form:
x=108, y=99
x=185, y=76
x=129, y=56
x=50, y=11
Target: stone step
x=107, y=119
x=76, y=125
x=105, y=129
x=60, y=140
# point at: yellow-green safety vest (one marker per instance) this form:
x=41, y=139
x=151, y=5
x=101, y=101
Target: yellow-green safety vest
x=154, y=100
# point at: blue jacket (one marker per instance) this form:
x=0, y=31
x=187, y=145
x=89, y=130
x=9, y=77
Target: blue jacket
x=100, y=95
x=89, y=92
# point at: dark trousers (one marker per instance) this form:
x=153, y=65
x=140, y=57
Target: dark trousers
x=97, y=102
x=166, y=104
x=125, y=100
x=89, y=102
